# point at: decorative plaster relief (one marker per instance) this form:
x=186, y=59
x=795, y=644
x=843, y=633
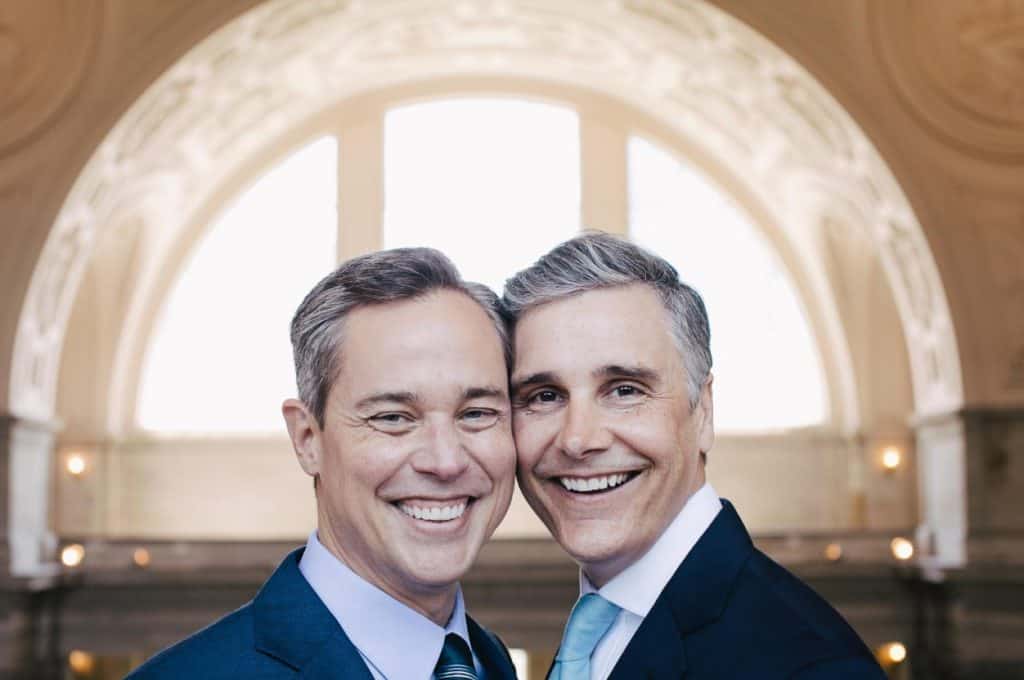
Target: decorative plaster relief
x=1003, y=241
x=46, y=47
x=694, y=68
x=959, y=67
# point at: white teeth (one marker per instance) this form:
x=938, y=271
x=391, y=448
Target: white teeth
x=585, y=484
x=434, y=514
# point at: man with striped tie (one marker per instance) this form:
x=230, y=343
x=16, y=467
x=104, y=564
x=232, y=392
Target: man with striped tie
x=613, y=419
x=404, y=423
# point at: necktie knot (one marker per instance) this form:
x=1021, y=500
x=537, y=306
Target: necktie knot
x=590, y=620
x=456, y=660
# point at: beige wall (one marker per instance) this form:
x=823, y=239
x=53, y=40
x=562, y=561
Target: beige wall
x=954, y=139
x=952, y=131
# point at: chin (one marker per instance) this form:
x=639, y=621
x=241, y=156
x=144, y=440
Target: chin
x=444, y=565
x=593, y=547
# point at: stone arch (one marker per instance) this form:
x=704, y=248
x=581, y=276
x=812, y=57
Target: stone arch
x=785, y=145
x=698, y=70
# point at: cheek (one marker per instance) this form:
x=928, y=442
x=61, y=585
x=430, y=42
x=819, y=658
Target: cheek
x=654, y=438
x=496, y=452
x=370, y=462
x=533, y=434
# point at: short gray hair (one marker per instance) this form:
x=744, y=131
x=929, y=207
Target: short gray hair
x=595, y=260
x=374, y=279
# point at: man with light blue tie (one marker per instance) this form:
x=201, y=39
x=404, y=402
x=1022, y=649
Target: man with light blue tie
x=613, y=420
x=404, y=423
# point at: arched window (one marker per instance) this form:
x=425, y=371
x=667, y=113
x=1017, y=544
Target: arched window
x=768, y=372
x=220, y=358
x=493, y=183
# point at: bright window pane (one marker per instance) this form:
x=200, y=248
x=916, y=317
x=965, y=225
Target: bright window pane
x=493, y=183
x=220, y=358
x=767, y=367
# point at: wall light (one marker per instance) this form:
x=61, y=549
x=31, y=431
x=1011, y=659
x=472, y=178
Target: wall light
x=902, y=549
x=81, y=663
x=72, y=555
x=894, y=652
x=141, y=558
x=833, y=552
x=75, y=464
x=892, y=458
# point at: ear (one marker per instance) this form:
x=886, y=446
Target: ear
x=705, y=415
x=304, y=432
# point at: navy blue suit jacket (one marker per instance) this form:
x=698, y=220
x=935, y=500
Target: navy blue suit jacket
x=731, y=613
x=287, y=632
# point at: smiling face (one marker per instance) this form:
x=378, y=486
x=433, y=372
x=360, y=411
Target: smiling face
x=415, y=457
x=609, y=448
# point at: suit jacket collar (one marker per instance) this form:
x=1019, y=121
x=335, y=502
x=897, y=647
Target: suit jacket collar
x=293, y=626
x=491, y=652
x=696, y=595
x=296, y=628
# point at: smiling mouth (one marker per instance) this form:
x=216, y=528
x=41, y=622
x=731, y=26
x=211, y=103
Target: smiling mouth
x=597, y=484
x=435, y=511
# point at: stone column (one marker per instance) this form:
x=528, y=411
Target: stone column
x=27, y=563
x=26, y=459
x=942, y=490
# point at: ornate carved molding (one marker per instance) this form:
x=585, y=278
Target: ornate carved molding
x=958, y=67
x=692, y=67
x=46, y=47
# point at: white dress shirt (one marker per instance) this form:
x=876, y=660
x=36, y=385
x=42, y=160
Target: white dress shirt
x=377, y=623
x=639, y=585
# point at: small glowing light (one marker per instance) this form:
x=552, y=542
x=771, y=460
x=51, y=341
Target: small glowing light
x=833, y=552
x=902, y=549
x=895, y=652
x=891, y=458
x=75, y=464
x=141, y=557
x=72, y=555
x=82, y=663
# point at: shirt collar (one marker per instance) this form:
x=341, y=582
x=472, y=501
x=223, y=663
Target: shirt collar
x=636, y=587
x=370, y=617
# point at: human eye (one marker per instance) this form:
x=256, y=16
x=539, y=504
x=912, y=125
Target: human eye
x=626, y=392
x=542, y=399
x=478, y=418
x=391, y=422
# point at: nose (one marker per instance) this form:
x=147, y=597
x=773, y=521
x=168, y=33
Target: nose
x=442, y=455
x=583, y=431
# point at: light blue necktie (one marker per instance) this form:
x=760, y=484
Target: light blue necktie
x=590, y=620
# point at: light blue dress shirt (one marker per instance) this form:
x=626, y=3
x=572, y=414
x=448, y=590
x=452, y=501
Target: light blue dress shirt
x=395, y=641
x=639, y=585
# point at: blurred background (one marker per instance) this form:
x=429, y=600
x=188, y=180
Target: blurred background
x=841, y=180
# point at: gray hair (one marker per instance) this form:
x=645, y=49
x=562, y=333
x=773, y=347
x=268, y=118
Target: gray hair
x=373, y=279
x=595, y=260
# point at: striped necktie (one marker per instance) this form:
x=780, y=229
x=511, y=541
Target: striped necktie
x=456, y=661
x=590, y=620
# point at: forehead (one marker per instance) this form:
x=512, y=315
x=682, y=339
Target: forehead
x=443, y=337
x=624, y=325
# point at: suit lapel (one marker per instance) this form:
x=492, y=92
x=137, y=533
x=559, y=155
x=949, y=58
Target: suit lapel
x=656, y=650
x=695, y=596
x=294, y=627
x=491, y=652
x=336, y=660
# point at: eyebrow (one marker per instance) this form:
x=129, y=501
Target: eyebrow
x=386, y=397
x=409, y=398
x=534, y=379
x=482, y=393
x=641, y=373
